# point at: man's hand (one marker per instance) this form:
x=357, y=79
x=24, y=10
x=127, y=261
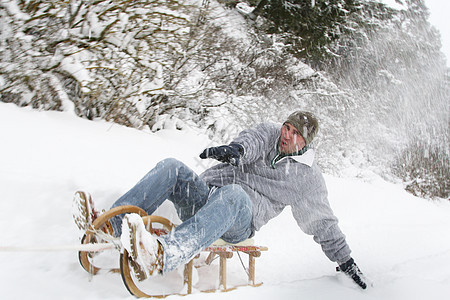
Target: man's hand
x=351, y=270
x=227, y=154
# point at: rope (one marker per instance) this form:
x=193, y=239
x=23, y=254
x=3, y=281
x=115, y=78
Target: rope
x=242, y=263
x=97, y=247
x=109, y=238
x=109, y=243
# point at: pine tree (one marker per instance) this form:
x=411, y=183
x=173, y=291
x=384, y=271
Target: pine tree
x=309, y=27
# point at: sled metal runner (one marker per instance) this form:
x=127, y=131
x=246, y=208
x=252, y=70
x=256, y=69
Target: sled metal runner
x=159, y=226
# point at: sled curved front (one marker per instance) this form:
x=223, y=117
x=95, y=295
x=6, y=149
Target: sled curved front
x=92, y=235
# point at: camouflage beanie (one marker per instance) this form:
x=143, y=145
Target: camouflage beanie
x=306, y=124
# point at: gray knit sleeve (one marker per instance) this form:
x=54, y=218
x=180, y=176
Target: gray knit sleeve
x=257, y=141
x=314, y=216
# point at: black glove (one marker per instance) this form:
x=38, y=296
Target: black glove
x=228, y=154
x=351, y=270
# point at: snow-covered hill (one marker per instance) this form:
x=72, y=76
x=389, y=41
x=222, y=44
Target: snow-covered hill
x=401, y=242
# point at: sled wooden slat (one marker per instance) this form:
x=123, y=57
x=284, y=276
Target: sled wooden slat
x=188, y=268
x=223, y=271
x=232, y=248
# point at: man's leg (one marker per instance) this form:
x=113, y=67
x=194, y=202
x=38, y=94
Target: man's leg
x=170, y=179
x=227, y=214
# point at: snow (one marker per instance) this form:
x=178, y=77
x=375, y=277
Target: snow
x=393, y=4
x=13, y=9
x=230, y=21
x=399, y=241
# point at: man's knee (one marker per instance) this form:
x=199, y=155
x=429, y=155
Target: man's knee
x=235, y=195
x=170, y=163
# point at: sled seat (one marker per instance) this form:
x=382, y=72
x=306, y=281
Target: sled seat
x=225, y=251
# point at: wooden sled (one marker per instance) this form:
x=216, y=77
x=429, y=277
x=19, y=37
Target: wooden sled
x=159, y=226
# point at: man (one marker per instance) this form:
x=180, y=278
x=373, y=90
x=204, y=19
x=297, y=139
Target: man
x=263, y=170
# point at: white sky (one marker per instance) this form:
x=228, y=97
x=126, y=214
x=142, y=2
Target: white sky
x=440, y=18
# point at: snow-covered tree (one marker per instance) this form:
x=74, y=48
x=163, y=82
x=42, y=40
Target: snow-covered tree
x=102, y=59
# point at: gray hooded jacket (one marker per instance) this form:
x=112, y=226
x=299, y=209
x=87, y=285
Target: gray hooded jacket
x=294, y=180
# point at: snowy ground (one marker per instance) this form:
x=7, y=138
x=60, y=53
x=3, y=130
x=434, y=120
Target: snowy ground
x=401, y=242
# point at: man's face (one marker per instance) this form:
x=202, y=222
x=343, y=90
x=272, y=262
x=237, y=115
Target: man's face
x=290, y=140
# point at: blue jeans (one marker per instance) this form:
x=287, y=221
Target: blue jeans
x=224, y=213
